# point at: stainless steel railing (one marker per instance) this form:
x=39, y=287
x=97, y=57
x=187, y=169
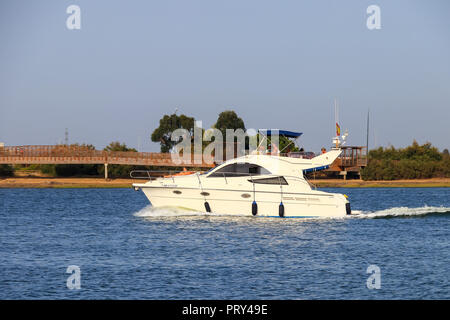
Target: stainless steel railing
x=172, y=175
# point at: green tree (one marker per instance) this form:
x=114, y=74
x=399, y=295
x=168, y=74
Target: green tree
x=167, y=125
x=6, y=170
x=118, y=170
x=70, y=170
x=287, y=145
x=229, y=120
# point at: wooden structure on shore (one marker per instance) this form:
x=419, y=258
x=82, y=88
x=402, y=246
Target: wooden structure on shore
x=351, y=161
x=63, y=154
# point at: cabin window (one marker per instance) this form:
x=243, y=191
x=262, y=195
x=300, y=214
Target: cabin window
x=239, y=170
x=271, y=180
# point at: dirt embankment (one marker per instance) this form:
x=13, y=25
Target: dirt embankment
x=27, y=182
x=18, y=182
x=418, y=183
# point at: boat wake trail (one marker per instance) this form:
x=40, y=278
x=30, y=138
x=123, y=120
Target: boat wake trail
x=402, y=212
x=150, y=211
x=396, y=212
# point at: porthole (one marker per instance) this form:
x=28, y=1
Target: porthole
x=245, y=195
x=177, y=191
x=204, y=193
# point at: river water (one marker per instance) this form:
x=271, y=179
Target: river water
x=124, y=249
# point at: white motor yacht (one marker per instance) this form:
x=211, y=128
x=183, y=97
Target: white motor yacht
x=252, y=185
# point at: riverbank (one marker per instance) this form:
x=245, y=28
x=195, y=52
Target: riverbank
x=28, y=182
x=18, y=182
x=416, y=183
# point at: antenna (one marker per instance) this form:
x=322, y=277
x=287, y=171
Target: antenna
x=367, y=136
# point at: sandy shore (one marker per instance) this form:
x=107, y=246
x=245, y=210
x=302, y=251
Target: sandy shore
x=66, y=183
x=19, y=182
x=417, y=183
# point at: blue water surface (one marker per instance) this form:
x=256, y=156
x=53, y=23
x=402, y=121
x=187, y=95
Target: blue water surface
x=124, y=255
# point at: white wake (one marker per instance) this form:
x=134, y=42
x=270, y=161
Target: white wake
x=400, y=212
x=150, y=211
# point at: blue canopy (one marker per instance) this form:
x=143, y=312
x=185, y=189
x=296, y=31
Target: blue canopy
x=287, y=134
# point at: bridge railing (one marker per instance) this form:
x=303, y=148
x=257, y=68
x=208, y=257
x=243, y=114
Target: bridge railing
x=48, y=151
x=84, y=154
x=68, y=151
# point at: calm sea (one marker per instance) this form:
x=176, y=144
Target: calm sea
x=126, y=250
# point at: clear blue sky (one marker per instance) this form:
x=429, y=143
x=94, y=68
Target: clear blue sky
x=278, y=64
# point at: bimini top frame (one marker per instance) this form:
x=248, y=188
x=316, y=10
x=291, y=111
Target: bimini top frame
x=274, y=132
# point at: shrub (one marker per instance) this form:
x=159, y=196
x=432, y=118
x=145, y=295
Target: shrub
x=413, y=162
x=6, y=170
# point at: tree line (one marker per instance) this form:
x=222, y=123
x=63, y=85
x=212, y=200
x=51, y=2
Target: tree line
x=413, y=162
x=169, y=123
x=227, y=119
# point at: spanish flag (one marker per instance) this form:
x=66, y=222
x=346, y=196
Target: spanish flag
x=338, y=130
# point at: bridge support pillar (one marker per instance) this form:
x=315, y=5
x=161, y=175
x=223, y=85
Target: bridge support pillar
x=106, y=171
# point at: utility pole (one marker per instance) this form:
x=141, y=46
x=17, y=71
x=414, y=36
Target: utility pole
x=66, y=137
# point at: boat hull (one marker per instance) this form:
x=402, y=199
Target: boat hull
x=241, y=202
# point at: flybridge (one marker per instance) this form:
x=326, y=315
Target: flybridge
x=286, y=133
x=270, y=134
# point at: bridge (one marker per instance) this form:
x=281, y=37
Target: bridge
x=63, y=154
